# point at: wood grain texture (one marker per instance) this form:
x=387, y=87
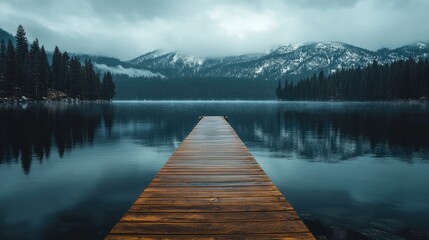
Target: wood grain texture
x=211, y=188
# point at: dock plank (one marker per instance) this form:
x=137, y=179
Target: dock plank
x=211, y=188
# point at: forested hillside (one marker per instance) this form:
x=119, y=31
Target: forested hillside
x=401, y=80
x=25, y=71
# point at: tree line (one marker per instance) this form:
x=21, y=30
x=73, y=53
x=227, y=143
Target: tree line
x=25, y=71
x=400, y=80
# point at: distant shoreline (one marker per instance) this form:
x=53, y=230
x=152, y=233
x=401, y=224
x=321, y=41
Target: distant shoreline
x=25, y=100
x=18, y=100
x=269, y=101
x=52, y=96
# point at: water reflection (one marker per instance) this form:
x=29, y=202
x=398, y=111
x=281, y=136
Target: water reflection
x=113, y=150
x=31, y=131
x=327, y=132
x=340, y=132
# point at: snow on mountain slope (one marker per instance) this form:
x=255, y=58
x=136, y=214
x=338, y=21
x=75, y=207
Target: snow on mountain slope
x=290, y=61
x=416, y=50
x=169, y=63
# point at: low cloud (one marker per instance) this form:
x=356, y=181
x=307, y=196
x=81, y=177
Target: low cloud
x=132, y=72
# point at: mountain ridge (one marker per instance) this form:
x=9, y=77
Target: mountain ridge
x=288, y=61
x=292, y=61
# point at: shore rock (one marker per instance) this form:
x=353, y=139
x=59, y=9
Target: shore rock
x=56, y=95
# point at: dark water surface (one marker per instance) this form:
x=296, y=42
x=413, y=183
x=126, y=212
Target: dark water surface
x=70, y=171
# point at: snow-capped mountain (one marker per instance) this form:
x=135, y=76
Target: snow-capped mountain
x=292, y=61
x=170, y=63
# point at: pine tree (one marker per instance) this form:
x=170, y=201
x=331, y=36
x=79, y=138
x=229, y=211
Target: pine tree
x=27, y=77
x=65, y=84
x=97, y=86
x=421, y=88
x=279, y=91
x=2, y=65
x=313, y=87
x=44, y=73
x=389, y=82
x=363, y=88
x=107, y=87
x=285, y=91
x=32, y=87
x=320, y=87
x=414, y=80
x=425, y=79
x=21, y=43
x=56, y=78
x=21, y=52
x=88, y=80
x=11, y=70
x=75, y=78
x=396, y=80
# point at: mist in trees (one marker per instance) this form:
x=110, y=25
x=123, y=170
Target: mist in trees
x=25, y=71
x=401, y=80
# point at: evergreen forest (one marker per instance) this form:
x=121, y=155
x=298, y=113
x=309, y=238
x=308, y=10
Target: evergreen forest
x=400, y=80
x=25, y=71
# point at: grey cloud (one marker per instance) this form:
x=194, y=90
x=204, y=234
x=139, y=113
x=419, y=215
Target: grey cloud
x=126, y=29
x=324, y=4
x=138, y=9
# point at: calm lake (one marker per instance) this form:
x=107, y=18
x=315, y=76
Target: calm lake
x=70, y=171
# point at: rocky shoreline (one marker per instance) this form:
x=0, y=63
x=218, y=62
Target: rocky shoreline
x=53, y=96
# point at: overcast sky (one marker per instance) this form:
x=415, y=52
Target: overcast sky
x=129, y=28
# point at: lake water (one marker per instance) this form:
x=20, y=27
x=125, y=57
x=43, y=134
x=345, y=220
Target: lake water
x=70, y=171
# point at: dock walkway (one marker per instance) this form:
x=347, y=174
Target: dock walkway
x=211, y=188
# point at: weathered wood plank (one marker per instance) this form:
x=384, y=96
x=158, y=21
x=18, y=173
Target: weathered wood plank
x=209, y=184
x=282, y=236
x=210, y=194
x=208, y=200
x=212, y=207
x=213, y=228
x=211, y=188
x=217, y=217
x=190, y=173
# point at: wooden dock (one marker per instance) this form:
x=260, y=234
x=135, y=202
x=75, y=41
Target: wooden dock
x=211, y=188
